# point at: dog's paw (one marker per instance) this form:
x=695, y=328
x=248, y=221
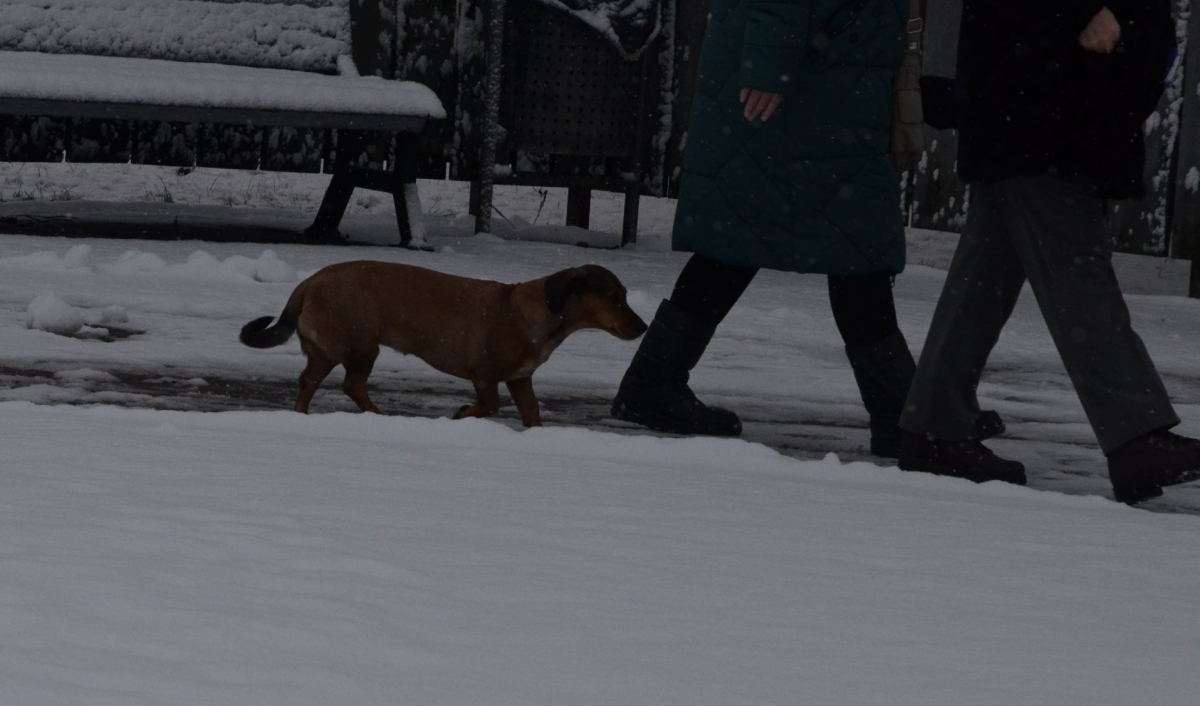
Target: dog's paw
x=463, y=412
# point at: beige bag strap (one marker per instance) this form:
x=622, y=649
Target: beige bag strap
x=908, y=137
x=916, y=25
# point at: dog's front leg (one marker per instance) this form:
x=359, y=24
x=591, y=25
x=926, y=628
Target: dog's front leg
x=521, y=390
x=488, y=404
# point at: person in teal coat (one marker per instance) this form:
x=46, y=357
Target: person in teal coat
x=786, y=167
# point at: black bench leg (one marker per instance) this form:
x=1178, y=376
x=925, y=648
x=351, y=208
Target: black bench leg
x=337, y=195
x=403, y=219
x=333, y=207
x=408, y=209
x=401, y=183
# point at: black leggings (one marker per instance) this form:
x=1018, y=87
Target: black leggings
x=862, y=304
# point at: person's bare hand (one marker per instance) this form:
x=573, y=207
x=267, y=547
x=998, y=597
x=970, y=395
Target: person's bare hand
x=760, y=104
x=1102, y=33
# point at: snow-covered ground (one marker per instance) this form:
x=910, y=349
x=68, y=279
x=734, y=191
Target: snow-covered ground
x=157, y=554
x=267, y=558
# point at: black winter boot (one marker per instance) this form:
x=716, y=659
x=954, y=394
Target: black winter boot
x=884, y=372
x=988, y=425
x=655, y=392
x=1140, y=469
x=960, y=459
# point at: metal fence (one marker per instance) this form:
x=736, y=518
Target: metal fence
x=1166, y=223
x=440, y=43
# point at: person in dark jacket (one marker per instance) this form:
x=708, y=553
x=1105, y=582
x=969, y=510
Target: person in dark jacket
x=787, y=168
x=1049, y=101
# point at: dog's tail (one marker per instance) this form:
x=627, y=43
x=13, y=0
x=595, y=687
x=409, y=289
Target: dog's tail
x=260, y=334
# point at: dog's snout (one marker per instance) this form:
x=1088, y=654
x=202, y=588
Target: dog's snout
x=640, y=328
x=634, y=329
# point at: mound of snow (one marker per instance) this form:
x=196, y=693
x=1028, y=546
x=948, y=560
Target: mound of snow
x=43, y=394
x=267, y=268
x=85, y=375
x=108, y=316
x=206, y=266
x=49, y=313
x=642, y=301
x=137, y=262
x=78, y=257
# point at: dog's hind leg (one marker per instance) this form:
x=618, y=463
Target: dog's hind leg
x=527, y=402
x=355, y=384
x=319, y=366
x=488, y=404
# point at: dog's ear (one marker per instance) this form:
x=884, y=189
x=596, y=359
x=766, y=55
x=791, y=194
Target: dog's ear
x=560, y=286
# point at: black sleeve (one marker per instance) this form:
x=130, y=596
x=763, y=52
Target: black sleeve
x=1077, y=13
x=1125, y=10
x=1129, y=83
x=1148, y=43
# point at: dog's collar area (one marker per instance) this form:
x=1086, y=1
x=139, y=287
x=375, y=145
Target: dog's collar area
x=558, y=329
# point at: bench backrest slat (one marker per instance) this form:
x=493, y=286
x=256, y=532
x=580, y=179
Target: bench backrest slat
x=304, y=35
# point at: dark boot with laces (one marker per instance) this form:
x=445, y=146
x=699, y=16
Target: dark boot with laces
x=1140, y=469
x=655, y=392
x=961, y=459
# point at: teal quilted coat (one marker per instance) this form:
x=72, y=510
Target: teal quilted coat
x=812, y=189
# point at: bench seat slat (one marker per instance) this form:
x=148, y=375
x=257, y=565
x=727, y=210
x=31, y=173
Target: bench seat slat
x=231, y=116
x=32, y=83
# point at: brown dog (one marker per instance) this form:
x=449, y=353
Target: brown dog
x=485, y=332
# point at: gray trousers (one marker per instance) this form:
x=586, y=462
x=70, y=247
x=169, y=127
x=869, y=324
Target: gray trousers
x=1049, y=230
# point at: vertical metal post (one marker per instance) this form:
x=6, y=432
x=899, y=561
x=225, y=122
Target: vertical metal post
x=579, y=207
x=647, y=87
x=491, y=120
x=473, y=199
x=629, y=223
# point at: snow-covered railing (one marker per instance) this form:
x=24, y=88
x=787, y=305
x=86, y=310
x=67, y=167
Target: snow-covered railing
x=247, y=62
x=628, y=25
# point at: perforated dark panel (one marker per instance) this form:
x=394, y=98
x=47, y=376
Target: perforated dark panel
x=568, y=92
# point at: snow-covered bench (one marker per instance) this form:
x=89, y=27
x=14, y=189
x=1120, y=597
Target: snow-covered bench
x=255, y=62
